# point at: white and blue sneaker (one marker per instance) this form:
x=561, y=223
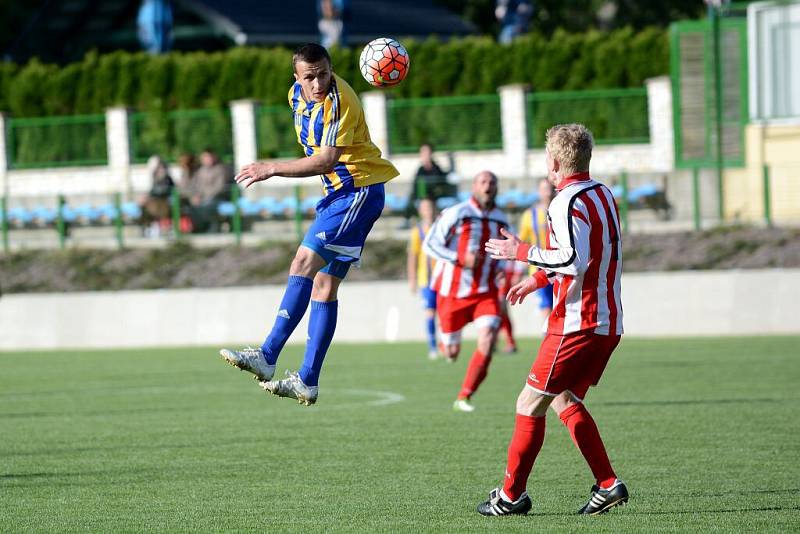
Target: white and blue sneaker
x=251, y=360
x=292, y=387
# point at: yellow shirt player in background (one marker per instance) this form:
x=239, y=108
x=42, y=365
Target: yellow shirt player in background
x=419, y=268
x=533, y=228
x=330, y=126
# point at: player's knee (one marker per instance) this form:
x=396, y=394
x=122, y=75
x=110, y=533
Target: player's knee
x=532, y=403
x=306, y=263
x=563, y=401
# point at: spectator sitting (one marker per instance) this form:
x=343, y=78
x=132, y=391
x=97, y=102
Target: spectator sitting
x=210, y=185
x=155, y=204
x=187, y=165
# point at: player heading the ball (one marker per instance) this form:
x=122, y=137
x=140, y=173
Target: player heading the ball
x=330, y=126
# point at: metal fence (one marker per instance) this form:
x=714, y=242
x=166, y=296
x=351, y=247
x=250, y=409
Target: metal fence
x=614, y=116
x=449, y=123
x=171, y=133
x=57, y=141
x=275, y=134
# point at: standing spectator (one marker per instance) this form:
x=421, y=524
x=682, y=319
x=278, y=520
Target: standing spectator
x=154, y=25
x=514, y=17
x=465, y=279
x=333, y=17
x=155, y=204
x=419, y=267
x=429, y=182
x=211, y=185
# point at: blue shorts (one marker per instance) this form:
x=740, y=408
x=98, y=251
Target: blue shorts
x=341, y=227
x=545, y=295
x=428, y=298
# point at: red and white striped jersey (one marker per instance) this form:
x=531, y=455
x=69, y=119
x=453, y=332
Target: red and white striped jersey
x=459, y=229
x=584, y=258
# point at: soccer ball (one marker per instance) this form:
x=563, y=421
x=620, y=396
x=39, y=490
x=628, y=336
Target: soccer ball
x=384, y=62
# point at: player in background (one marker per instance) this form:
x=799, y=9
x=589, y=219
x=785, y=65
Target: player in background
x=465, y=279
x=330, y=126
x=419, y=269
x=533, y=229
x=584, y=261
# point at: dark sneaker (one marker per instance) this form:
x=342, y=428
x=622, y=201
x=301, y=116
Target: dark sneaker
x=496, y=505
x=602, y=500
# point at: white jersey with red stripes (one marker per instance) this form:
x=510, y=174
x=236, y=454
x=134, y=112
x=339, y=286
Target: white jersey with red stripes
x=584, y=258
x=459, y=229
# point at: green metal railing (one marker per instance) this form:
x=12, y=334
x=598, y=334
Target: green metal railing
x=614, y=116
x=172, y=133
x=59, y=141
x=275, y=133
x=449, y=123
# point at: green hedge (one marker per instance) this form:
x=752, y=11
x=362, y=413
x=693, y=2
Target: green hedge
x=470, y=66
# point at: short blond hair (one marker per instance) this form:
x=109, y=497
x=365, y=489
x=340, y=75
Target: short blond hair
x=571, y=145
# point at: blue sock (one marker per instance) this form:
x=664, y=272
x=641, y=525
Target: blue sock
x=292, y=308
x=430, y=323
x=321, y=325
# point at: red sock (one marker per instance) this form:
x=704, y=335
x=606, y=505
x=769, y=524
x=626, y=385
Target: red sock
x=476, y=371
x=585, y=435
x=525, y=445
x=507, y=329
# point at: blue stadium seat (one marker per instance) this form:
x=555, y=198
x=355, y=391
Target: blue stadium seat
x=289, y=206
x=20, y=216
x=43, y=215
x=309, y=205
x=226, y=209
x=269, y=207
x=131, y=211
x=646, y=190
x=446, y=202
x=107, y=212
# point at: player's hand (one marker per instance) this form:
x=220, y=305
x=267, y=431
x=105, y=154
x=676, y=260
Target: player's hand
x=254, y=172
x=519, y=291
x=503, y=249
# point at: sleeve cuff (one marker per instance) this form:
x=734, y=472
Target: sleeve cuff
x=541, y=278
x=522, y=252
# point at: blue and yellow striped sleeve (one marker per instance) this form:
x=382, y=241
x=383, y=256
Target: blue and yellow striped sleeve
x=341, y=112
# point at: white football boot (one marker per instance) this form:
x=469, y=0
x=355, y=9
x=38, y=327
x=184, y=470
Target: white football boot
x=463, y=405
x=251, y=360
x=292, y=387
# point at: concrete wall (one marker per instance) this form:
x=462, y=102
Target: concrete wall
x=656, y=304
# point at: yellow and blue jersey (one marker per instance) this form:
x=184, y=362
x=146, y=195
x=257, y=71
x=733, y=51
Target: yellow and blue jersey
x=339, y=121
x=424, y=262
x=533, y=229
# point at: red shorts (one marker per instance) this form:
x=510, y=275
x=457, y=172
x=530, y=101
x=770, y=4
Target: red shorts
x=456, y=313
x=572, y=362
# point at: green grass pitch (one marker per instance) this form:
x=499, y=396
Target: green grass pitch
x=706, y=432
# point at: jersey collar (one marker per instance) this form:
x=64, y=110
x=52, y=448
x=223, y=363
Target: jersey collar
x=573, y=178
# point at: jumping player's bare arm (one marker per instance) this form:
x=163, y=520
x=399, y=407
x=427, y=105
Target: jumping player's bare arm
x=321, y=163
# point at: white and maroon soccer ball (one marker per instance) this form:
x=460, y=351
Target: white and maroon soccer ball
x=384, y=62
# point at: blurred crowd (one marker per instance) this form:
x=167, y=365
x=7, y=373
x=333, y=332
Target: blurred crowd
x=202, y=184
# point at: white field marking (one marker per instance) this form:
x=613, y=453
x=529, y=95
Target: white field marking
x=383, y=398
x=392, y=323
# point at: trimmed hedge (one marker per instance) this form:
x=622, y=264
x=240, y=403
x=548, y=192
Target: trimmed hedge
x=475, y=65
